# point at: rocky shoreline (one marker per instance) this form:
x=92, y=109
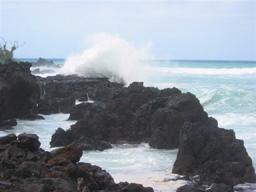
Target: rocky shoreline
x=166, y=119
x=27, y=167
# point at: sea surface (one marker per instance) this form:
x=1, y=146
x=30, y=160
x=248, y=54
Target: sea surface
x=226, y=89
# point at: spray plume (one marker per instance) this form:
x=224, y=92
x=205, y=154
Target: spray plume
x=109, y=56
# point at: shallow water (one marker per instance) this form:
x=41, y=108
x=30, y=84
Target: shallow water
x=132, y=163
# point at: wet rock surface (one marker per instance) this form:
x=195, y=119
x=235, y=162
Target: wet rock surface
x=213, y=153
x=19, y=91
x=58, y=93
x=92, y=144
x=166, y=119
x=26, y=168
x=139, y=114
x=45, y=63
x=7, y=124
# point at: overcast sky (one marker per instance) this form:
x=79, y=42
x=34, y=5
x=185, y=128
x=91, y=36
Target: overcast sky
x=176, y=29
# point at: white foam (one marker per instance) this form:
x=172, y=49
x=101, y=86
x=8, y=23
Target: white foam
x=43, y=128
x=109, y=56
x=203, y=71
x=138, y=164
x=207, y=96
x=158, y=180
x=229, y=120
x=248, y=187
x=45, y=71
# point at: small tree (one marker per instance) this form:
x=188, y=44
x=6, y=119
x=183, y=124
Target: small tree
x=4, y=52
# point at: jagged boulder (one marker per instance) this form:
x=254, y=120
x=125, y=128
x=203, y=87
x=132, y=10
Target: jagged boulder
x=19, y=91
x=43, y=62
x=7, y=124
x=28, y=141
x=136, y=95
x=38, y=170
x=7, y=139
x=68, y=154
x=190, y=188
x=57, y=91
x=77, y=112
x=62, y=138
x=92, y=144
x=159, y=121
x=119, y=119
x=189, y=107
x=132, y=187
x=49, y=105
x=214, y=154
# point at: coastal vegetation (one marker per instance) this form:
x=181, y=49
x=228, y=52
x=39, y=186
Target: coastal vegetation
x=6, y=53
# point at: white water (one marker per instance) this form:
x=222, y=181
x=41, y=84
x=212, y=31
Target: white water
x=109, y=56
x=43, y=128
x=135, y=163
x=132, y=163
x=202, y=71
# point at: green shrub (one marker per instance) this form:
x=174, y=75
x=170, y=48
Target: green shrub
x=4, y=52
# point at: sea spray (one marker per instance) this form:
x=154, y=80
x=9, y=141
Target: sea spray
x=111, y=57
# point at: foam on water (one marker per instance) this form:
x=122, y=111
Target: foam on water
x=203, y=71
x=132, y=163
x=244, y=127
x=227, y=94
x=247, y=187
x=46, y=71
x=139, y=164
x=43, y=128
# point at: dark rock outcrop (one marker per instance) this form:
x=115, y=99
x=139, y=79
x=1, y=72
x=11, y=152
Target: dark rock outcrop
x=66, y=155
x=24, y=170
x=7, y=139
x=28, y=141
x=115, y=120
x=214, y=154
x=161, y=119
x=77, y=112
x=92, y=144
x=19, y=91
x=61, y=138
x=49, y=105
x=58, y=93
x=166, y=119
x=44, y=62
x=32, y=117
x=10, y=122
x=190, y=188
x=157, y=121
x=7, y=124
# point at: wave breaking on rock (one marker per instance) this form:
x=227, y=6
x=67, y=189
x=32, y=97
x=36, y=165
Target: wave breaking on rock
x=109, y=57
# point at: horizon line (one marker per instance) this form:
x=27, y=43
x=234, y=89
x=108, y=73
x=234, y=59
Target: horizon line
x=184, y=60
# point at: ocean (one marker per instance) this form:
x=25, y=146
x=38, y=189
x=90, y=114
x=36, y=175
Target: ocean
x=226, y=89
